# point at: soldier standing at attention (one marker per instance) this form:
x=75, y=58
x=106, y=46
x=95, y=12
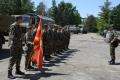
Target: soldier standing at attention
x=16, y=50
x=29, y=47
x=45, y=43
x=113, y=45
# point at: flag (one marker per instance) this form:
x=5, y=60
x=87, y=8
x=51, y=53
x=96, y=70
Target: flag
x=38, y=46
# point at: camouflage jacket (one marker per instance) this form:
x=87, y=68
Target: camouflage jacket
x=15, y=36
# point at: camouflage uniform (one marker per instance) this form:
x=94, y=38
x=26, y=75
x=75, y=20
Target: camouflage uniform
x=45, y=44
x=55, y=41
x=68, y=39
x=62, y=40
x=15, y=39
x=113, y=46
x=59, y=40
x=50, y=41
x=28, y=49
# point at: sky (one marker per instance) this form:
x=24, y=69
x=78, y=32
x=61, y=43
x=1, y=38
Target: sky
x=85, y=7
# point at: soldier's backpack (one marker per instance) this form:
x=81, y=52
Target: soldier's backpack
x=116, y=43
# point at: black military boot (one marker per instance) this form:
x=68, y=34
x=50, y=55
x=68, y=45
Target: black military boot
x=10, y=75
x=112, y=62
x=18, y=72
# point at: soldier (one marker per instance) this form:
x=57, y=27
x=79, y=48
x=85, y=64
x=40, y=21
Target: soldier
x=46, y=43
x=29, y=47
x=59, y=40
x=15, y=42
x=113, y=44
x=55, y=40
x=50, y=41
x=68, y=39
x=62, y=39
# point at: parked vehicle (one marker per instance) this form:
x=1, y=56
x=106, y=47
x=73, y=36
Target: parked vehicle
x=74, y=30
x=83, y=30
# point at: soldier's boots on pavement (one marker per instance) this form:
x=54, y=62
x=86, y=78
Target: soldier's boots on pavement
x=48, y=57
x=29, y=68
x=10, y=75
x=18, y=72
x=112, y=62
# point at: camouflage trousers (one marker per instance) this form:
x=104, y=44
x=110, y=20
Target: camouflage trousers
x=15, y=58
x=28, y=58
x=112, y=52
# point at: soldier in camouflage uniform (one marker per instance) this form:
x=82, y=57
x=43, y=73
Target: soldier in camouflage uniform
x=68, y=38
x=55, y=40
x=29, y=47
x=62, y=40
x=46, y=47
x=15, y=42
x=50, y=40
x=113, y=45
x=59, y=39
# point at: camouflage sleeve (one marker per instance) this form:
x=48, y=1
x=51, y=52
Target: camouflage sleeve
x=11, y=30
x=11, y=35
x=115, y=34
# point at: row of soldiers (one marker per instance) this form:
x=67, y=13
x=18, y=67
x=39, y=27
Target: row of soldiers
x=55, y=40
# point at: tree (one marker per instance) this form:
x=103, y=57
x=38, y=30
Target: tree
x=91, y=23
x=64, y=14
x=115, y=17
x=16, y=6
x=103, y=20
x=41, y=9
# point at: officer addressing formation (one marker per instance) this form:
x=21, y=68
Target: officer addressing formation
x=55, y=40
x=114, y=42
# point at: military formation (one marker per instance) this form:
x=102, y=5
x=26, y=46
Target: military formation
x=55, y=41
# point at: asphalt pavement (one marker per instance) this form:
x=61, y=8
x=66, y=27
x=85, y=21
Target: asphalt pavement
x=87, y=59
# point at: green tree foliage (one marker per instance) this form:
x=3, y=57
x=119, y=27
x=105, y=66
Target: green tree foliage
x=91, y=23
x=52, y=12
x=41, y=9
x=103, y=20
x=115, y=17
x=16, y=6
x=64, y=14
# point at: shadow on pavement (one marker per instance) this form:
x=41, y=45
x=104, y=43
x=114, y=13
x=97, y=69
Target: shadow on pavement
x=46, y=72
x=37, y=76
x=60, y=58
x=117, y=63
x=4, y=53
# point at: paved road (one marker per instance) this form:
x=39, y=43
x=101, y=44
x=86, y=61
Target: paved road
x=87, y=60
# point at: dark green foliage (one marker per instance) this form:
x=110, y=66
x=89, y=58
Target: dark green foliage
x=91, y=23
x=16, y=7
x=64, y=14
x=115, y=17
x=41, y=9
x=103, y=19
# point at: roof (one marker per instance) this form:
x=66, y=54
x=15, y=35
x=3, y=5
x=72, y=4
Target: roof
x=47, y=18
